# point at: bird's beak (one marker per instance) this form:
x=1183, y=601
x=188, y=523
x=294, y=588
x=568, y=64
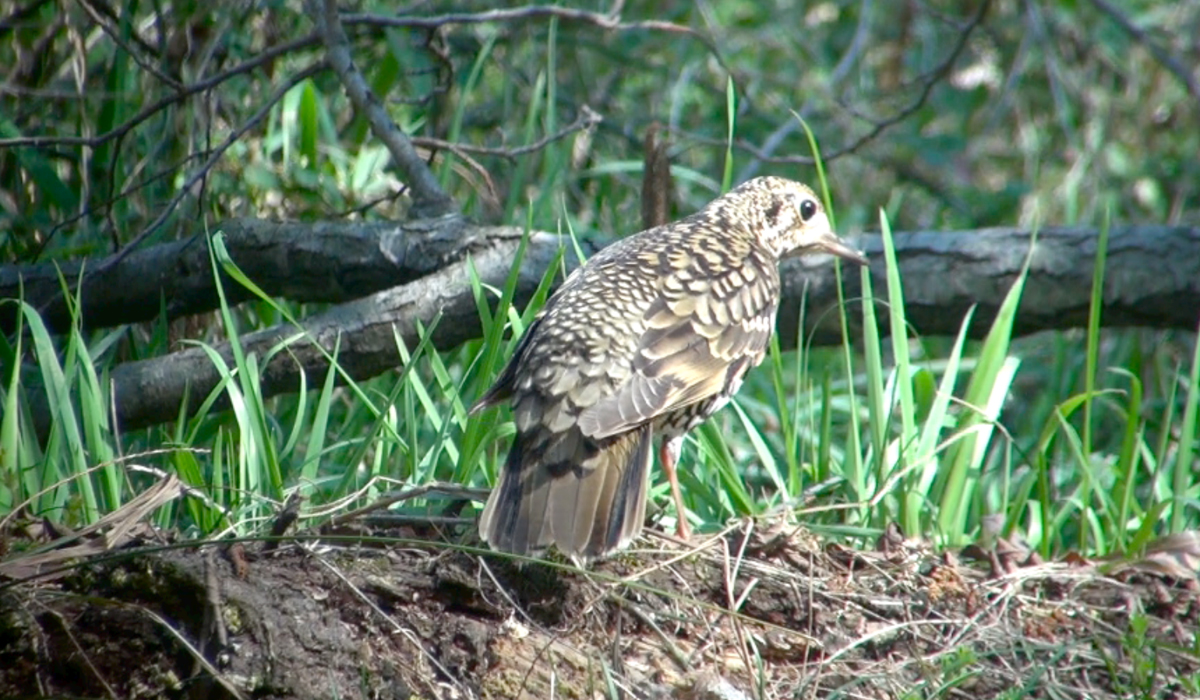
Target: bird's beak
x=830, y=243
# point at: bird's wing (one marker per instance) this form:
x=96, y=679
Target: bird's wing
x=701, y=335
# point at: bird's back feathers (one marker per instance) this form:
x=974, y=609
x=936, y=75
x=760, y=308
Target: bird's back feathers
x=652, y=334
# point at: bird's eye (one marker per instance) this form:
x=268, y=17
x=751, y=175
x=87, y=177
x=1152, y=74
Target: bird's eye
x=808, y=209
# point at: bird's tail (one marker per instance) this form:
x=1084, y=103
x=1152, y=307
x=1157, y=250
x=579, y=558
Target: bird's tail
x=585, y=497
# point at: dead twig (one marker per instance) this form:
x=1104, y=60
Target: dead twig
x=201, y=172
x=268, y=55
x=605, y=20
x=80, y=651
x=610, y=21
x=428, y=199
x=1168, y=61
x=927, y=82
x=387, y=501
x=409, y=634
x=116, y=37
x=204, y=663
x=587, y=119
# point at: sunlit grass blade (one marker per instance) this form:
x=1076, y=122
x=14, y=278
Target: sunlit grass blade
x=258, y=461
x=787, y=403
x=1128, y=460
x=1183, y=490
x=1091, y=358
x=730, y=494
x=904, y=376
x=487, y=363
x=926, y=458
x=66, y=456
x=318, y=429
x=301, y=412
x=219, y=489
x=878, y=415
x=230, y=268
x=985, y=394
x=731, y=127
x=822, y=181
x=763, y=454
x=494, y=320
x=190, y=471
x=306, y=118
x=16, y=483
x=955, y=495
x=418, y=395
x=853, y=467
x=246, y=450
x=1076, y=507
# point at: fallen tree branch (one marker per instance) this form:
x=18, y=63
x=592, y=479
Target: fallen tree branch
x=362, y=333
x=1152, y=280
x=329, y=262
x=1152, y=273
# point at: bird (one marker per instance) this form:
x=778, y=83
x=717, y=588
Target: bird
x=644, y=341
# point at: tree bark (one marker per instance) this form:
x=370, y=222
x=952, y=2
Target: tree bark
x=328, y=262
x=1152, y=280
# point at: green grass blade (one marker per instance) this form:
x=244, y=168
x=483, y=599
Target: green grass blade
x=11, y=477
x=1091, y=359
x=309, y=128
x=764, y=456
x=878, y=415
x=66, y=458
x=319, y=429
x=454, y=133
x=926, y=456
x=731, y=125
x=731, y=495
x=1128, y=460
x=985, y=394
x=1185, y=456
x=898, y=325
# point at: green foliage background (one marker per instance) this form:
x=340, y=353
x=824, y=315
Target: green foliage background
x=154, y=123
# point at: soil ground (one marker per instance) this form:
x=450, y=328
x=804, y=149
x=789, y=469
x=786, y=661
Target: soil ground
x=759, y=611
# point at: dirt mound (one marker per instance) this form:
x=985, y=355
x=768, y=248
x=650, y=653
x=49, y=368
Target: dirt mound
x=748, y=613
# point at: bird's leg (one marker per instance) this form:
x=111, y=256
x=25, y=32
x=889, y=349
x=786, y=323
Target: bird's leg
x=668, y=454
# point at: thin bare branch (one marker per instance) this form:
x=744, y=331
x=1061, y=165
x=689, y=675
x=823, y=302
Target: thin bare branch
x=150, y=110
x=928, y=82
x=428, y=198
x=1168, y=61
x=119, y=40
x=609, y=20
x=588, y=118
x=203, y=170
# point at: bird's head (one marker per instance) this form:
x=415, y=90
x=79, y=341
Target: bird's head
x=787, y=217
